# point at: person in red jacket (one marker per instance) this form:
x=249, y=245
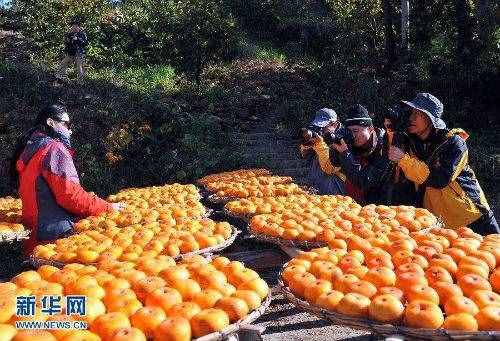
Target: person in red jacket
x=49, y=186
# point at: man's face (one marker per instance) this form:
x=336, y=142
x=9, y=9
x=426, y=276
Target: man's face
x=331, y=127
x=418, y=122
x=361, y=134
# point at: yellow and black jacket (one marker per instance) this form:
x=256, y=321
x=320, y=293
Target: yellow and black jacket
x=440, y=168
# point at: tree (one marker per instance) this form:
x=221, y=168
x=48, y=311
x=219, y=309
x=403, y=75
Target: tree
x=405, y=26
x=390, y=44
x=463, y=22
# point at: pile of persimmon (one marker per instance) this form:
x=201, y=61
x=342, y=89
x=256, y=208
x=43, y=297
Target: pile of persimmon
x=135, y=301
x=156, y=197
x=266, y=205
x=131, y=242
x=442, y=279
x=240, y=190
x=171, y=215
x=329, y=223
x=234, y=175
x=217, y=186
x=10, y=210
x=413, y=218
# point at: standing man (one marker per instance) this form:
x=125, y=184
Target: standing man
x=439, y=165
x=369, y=172
x=322, y=175
x=75, y=42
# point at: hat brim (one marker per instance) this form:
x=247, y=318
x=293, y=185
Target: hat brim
x=321, y=123
x=436, y=121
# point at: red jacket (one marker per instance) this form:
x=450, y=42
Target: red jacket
x=50, y=190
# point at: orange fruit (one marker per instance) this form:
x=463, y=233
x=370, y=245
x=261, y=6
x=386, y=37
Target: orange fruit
x=495, y=280
x=79, y=335
x=330, y=300
x=34, y=335
x=46, y=271
x=147, y=319
x=446, y=290
x=420, y=292
x=437, y=274
x=472, y=282
x=209, y=321
x=25, y=279
x=106, y=325
x=488, y=318
x=251, y=298
x=207, y=298
x=128, y=334
x=186, y=287
x=173, y=329
x=445, y=261
x=353, y=304
x=465, y=269
x=289, y=271
x=147, y=285
x=343, y=283
x=410, y=267
x=174, y=273
x=184, y=309
x=484, y=298
x=235, y=308
x=456, y=253
x=485, y=256
x=386, y=308
x=164, y=298
x=7, y=332
x=381, y=277
x=364, y=288
x=422, y=314
x=406, y=280
x=460, y=321
x=315, y=289
x=258, y=285
x=7, y=308
x=460, y=304
x=396, y=292
x=94, y=308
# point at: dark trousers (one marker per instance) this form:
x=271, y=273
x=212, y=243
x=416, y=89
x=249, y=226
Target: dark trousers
x=485, y=225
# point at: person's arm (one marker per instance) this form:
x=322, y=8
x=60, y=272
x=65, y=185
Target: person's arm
x=82, y=39
x=60, y=174
x=364, y=177
x=323, y=152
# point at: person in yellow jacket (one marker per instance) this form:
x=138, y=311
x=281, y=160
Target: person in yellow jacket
x=439, y=165
x=323, y=174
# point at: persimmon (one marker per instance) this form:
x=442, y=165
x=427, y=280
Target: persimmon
x=353, y=304
x=422, y=314
x=386, y=308
x=209, y=321
x=460, y=321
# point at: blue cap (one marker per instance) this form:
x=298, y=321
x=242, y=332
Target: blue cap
x=324, y=117
x=429, y=105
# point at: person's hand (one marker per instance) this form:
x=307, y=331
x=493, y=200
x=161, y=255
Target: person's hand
x=118, y=206
x=395, y=154
x=340, y=147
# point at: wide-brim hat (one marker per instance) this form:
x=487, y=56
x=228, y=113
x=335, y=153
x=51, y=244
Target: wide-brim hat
x=429, y=105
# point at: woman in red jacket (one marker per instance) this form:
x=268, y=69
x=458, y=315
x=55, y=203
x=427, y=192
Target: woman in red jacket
x=49, y=186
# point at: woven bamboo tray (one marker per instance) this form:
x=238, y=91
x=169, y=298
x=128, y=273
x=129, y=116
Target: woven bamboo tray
x=235, y=327
x=380, y=328
x=37, y=262
x=14, y=236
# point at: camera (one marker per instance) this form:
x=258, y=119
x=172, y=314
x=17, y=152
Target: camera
x=310, y=133
x=337, y=136
x=398, y=115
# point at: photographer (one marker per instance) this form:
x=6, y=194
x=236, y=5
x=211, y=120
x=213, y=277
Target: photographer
x=323, y=175
x=439, y=165
x=74, y=48
x=370, y=174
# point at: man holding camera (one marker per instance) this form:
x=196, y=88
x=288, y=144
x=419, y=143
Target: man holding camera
x=75, y=41
x=371, y=176
x=323, y=175
x=439, y=165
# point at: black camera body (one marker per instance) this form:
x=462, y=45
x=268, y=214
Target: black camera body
x=399, y=116
x=310, y=133
x=337, y=136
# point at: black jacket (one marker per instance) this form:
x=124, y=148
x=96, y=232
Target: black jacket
x=371, y=176
x=74, y=43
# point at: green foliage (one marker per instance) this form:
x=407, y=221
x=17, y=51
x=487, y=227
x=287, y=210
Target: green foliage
x=188, y=34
